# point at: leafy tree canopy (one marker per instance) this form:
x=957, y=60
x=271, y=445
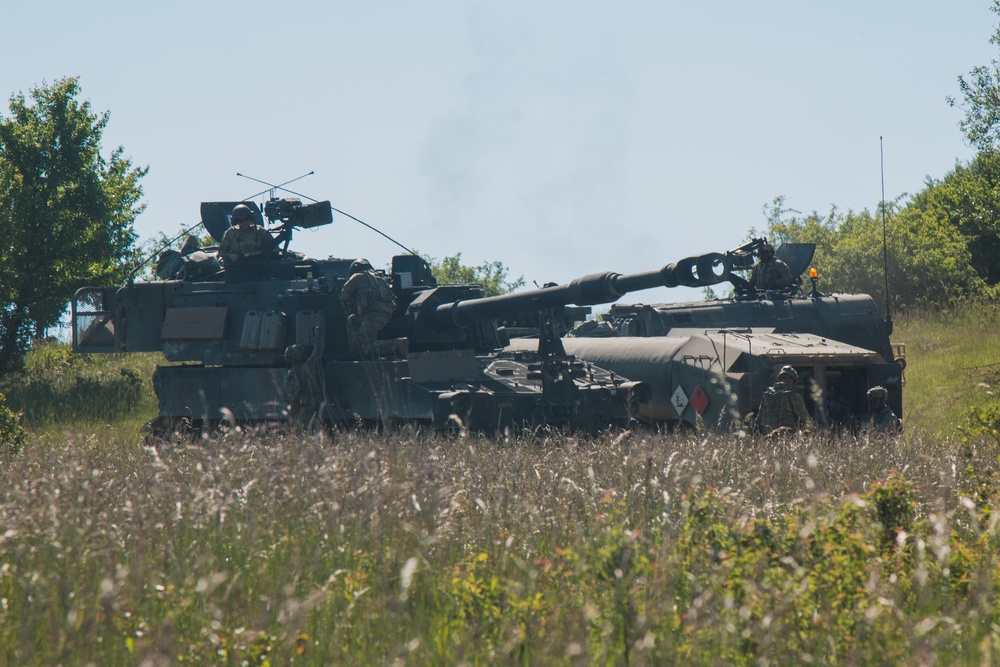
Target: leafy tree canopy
x=491, y=276
x=927, y=258
x=968, y=199
x=981, y=100
x=66, y=211
x=943, y=244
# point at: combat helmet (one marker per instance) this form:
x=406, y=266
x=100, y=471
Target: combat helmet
x=359, y=265
x=295, y=354
x=878, y=392
x=788, y=372
x=240, y=213
x=766, y=252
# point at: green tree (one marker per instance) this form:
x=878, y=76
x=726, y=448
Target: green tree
x=968, y=199
x=66, y=211
x=981, y=100
x=786, y=225
x=491, y=276
x=929, y=262
x=12, y=434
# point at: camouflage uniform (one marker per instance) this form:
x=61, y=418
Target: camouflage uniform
x=304, y=390
x=881, y=417
x=241, y=242
x=770, y=275
x=838, y=408
x=884, y=419
x=369, y=304
x=782, y=407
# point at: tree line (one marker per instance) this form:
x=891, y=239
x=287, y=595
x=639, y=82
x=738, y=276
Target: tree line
x=942, y=243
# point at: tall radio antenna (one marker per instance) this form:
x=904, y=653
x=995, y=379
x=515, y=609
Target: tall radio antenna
x=885, y=246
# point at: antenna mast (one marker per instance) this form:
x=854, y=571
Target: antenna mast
x=885, y=247
x=272, y=188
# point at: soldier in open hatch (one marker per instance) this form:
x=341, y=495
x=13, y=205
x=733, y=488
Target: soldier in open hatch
x=244, y=239
x=880, y=415
x=369, y=304
x=770, y=273
x=782, y=407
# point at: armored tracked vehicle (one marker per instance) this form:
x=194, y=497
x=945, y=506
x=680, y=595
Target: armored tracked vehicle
x=232, y=338
x=711, y=361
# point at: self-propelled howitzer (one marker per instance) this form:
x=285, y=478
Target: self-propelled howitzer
x=439, y=361
x=728, y=351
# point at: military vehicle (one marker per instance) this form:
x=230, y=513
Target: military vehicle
x=227, y=335
x=711, y=361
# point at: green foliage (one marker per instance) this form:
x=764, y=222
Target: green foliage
x=523, y=549
x=66, y=211
x=981, y=100
x=491, y=276
x=12, y=434
x=56, y=388
x=968, y=200
x=894, y=502
x=951, y=356
x=982, y=421
x=929, y=263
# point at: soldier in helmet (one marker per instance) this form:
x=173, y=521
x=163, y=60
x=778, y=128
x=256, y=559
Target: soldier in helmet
x=770, y=273
x=244, y=239
x=880, y=415
x=369, y=304
x=304, y=383
x=782, y=407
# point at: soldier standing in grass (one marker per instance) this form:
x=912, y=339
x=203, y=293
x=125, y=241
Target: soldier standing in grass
x=783, y=408
x=880, y=415
x=369, y=303
x=305, y=389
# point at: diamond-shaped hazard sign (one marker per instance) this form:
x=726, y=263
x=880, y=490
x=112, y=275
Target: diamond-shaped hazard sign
x=679, y=400
x=699, y=400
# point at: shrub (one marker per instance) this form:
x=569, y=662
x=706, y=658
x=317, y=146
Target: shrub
x=12, y=434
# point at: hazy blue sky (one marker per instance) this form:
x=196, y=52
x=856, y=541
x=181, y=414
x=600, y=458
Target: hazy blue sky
x=561, y=138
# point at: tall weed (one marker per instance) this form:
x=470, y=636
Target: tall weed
x=628, y=548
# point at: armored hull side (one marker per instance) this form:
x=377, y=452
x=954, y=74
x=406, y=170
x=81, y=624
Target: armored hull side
x=849, y=318
x=718, y=377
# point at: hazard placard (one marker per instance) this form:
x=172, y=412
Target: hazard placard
x=699, y=400
x=679, y=400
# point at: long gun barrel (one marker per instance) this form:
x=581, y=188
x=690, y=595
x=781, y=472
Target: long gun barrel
x=597, y=288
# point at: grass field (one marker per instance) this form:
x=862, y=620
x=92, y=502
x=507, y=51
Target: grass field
x=408, y=548
x=953, y=366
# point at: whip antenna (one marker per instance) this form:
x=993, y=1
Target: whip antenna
x=885, y=247
x=163, y=246
x=377, y=231
x=271, y=188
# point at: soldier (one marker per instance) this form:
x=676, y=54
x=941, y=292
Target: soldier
x=782, y=407
x=245, y=239
x=369, y=304
x=770, y=273
x=304, y=385
x=838, y=408
x=880, y=415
